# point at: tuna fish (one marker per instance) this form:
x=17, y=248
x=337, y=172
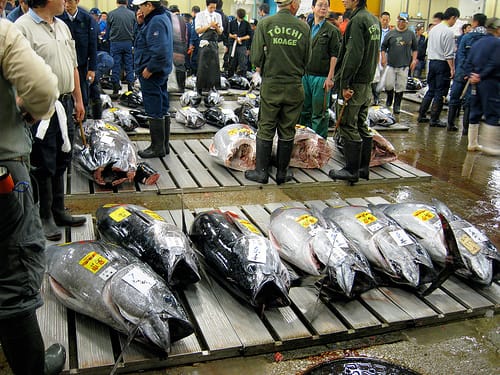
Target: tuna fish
x=105, y=154
x=307, y=241
x=148, y=236
x=234, y=147
x=386, y=245
x=309, y=149
x=109, y=284
x=237, y=255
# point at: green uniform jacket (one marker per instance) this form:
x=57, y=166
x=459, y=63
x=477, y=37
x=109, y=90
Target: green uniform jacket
x=325, y=45
x=281, y=47
x=359, y=51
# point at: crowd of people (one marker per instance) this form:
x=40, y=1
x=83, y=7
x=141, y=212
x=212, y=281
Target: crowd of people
x=53, y=56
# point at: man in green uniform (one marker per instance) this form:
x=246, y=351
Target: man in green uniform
x=280, y=52
x=355, y=69
x=318, y=80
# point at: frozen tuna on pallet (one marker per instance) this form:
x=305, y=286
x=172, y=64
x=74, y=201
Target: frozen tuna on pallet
x=234, y=147
x=104, y=153
x=148, y=236
x=109, y=284
x=309, y=149
x=317, y=247
x=476, y=259
x=390, y=250
x=236, y=254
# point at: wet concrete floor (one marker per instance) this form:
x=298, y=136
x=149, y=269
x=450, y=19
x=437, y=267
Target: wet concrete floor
x=469, y=183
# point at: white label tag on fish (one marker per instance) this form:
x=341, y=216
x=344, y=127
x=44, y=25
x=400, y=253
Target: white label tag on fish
x=257, y=250
x=401, y=238
x=374, y=227
x=107, y=273
x=476, y=235
x=338, y=239
x=106, y=139
x=173, y=242
x=140, y=280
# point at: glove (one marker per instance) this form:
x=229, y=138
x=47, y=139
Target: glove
x=256, y=79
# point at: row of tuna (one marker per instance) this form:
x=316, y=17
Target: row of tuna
x=126, y=279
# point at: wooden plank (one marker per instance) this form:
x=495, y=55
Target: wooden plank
x=300, y=176
x=409, y=168
x=384, y=307
x=259, y=216
x=286, y=324
x=165, y=181
x=386, y=174
x=94, y=348
x=319, y=316
x=178, y=171
x=355, y=314
x=409, y=303
x=397, y=170
x=336, y=202
x=491, y=292
x=356, y=201
x=466, y=295
x=376, y=200
x=79, y=183
x=317, y=174
x=198, y=170
x=221, y=173
x=444, y=303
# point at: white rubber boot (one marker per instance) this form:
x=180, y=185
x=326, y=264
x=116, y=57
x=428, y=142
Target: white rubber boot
x=489, y=138
x=473, y=135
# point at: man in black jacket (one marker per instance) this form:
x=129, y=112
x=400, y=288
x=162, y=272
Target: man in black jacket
x=239, y=36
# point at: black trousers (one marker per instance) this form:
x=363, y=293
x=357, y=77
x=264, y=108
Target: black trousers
x=22, y=344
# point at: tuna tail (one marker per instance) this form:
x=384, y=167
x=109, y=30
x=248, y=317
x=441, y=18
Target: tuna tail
x=453, y=260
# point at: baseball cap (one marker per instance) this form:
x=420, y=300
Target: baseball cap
x=402, y=18
x=139, y=2
x=253, y=21
x=283, y=2
x=95, y=11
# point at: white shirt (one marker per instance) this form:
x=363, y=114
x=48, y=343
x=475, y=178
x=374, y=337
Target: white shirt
x=204, y=18
x=441, y=43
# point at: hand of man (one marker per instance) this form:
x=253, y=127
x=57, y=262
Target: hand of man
x=256, y=79
x=347, y=94
x=90, y=76
x=79, y=110
x=146, y=73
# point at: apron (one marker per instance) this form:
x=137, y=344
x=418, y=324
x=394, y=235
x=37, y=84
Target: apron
x=208, y=75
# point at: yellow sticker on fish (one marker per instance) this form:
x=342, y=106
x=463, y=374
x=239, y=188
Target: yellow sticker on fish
x=470, y=244
x=93, y=261
x=423, y=214
x=153, y=215
x=119, y=214
x=249, y=226
x=306, y=220
x=111, y=127
x=244, y=131
x=366, y=218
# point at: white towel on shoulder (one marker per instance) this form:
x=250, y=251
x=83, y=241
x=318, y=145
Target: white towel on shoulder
x=63, y=125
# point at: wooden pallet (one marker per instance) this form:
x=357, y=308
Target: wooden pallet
x=227, y=328
x=190, y=168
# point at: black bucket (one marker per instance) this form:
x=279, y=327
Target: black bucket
x=358, y=365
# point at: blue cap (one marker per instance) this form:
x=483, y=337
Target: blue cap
x=95, y=11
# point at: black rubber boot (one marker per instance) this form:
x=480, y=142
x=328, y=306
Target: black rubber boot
x=166, y=118
x=436, y=108
x=181, y=80
x=130, y=86
x=352, y=154
x=283, y=160
x=422, y=112
x=55, y=358
x=390, y=96
x=61, y=217
x=260, y=173
x=398, y=97
x=157, y=133
x=116, y=91
x=465, y=120
x=375, y=93
x=96, y=108
x=50, y=229
x=452, y=115
x=366, y=156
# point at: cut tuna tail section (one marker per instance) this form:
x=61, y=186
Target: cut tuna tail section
x=453, y=260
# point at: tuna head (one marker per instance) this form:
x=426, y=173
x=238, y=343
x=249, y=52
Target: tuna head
x=139, y=298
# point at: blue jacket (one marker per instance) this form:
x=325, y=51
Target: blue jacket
x=484, y=59
x=15, y=14
x=463, y=50
x=153, y=47
x=84, y=30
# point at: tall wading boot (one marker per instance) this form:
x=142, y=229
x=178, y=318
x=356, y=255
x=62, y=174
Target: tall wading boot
x=453, y=111
x=116, y=91
x=96, y=108
x=489, y=139
x=61, y=217
x=157, y=133
x=352, y=154
x=436, y=109
x=181, y=80
x=261, y=173
x=375, y=93
x=55, y=358
x=398, y=97
x=465, y=120
x=283, y=160
x=473, y=134
x=167, y=119
x=422, y=112
x=390, y=96
x=50, y=229
x=366, y=156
